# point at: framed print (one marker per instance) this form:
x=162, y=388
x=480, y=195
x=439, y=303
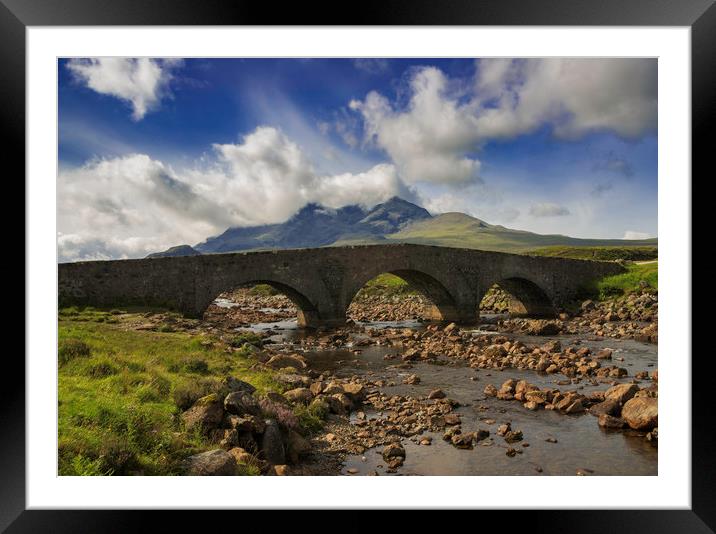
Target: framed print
x=277, y=258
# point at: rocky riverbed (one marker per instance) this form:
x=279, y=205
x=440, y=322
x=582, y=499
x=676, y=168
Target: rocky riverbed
x=572, y=396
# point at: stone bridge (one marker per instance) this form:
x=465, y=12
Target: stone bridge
x=323, y=281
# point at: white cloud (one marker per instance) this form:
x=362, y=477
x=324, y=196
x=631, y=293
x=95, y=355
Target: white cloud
x=434, y=137
x=141, y=82
x=548, y=209
x=631, y=234
x=133, y=205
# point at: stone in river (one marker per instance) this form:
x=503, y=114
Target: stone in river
x=641, y=413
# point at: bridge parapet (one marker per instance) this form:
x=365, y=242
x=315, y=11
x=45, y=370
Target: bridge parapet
x=322, y=282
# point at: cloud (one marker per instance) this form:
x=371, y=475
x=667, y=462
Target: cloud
x=429, y=140
x=434, y=136
x=602, y=188
x=631, y=234
x=141, y=82
x=614, y=164
x=130, y=206
x=548, y=209
x=371, y=65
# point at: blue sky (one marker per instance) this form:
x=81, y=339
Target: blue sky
x=155, y=153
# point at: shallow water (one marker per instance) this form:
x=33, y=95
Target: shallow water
x=581, y=444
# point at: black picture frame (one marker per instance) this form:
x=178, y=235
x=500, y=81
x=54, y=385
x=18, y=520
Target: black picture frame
x=699, y=15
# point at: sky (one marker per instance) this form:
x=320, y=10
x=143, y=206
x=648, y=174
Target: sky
x=158, y=152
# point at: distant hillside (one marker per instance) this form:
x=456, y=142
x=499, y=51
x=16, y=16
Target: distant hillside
x=599, y=253
x=461, y=230
x=181, y=250
x=400, y=221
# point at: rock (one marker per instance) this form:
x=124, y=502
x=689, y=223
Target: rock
x=537, y=396
x=531, y=405
x=412, y=380
x=217, y=462
x=393, y=450
x=575, y=407
x=452, y=419
x=356, y=392
x=621, y=392
x=503, y=429
x=277, y=397
x=332, y=388
x=604, y=354
x=206, y=414
x=463, y=441
x=272, y=444
x=436, y=394
x=230, y=384
x=641, y=413
x=317, y=387
x=242, y=456
x=299, y=395
x=450, y=328
x=280, y=361
x=296, y=446
x=490, y=390
x=241, y=403
x=609, y=407
x=609, y=421
x=513, y=435
x=344, y=400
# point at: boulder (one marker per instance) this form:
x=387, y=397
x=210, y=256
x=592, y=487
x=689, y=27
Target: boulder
x=296, y=446
x=280, y=361
x=641, y=413
x=206, y=414
x=241, y=403
x=436, y=394
x=272, y=444
x=621, y=392
x=356, y=392
x=217, y=462
x=299, y=395
x=490, y=390
x=230, y=384
x=609, y=421
x=609, y=407
x=393, y=450
x=242, y=456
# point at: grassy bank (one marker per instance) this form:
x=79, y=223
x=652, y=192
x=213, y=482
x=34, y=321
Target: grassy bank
x=121, y=392
x=599, y=253
x=639, y=277
x=388, y=285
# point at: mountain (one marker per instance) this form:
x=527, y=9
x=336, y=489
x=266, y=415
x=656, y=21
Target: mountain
x=394, y=221
x=317, y=226
x=460, y=230
x=180, y=250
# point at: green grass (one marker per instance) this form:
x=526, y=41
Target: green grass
x=639, y=277
x=388, y=285
x=463, y=231
x=599, y=253
x=120, y=392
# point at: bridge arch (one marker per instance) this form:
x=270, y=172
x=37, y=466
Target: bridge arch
x=526, y=297
x=442, y=302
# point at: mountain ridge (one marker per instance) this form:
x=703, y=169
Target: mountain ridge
x=393, y=221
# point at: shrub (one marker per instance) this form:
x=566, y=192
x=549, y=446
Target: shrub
x=101, y=369
x=239, y=340
x=196, y=365
x=280, y=412
x=69, y=349
x=311, y=417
